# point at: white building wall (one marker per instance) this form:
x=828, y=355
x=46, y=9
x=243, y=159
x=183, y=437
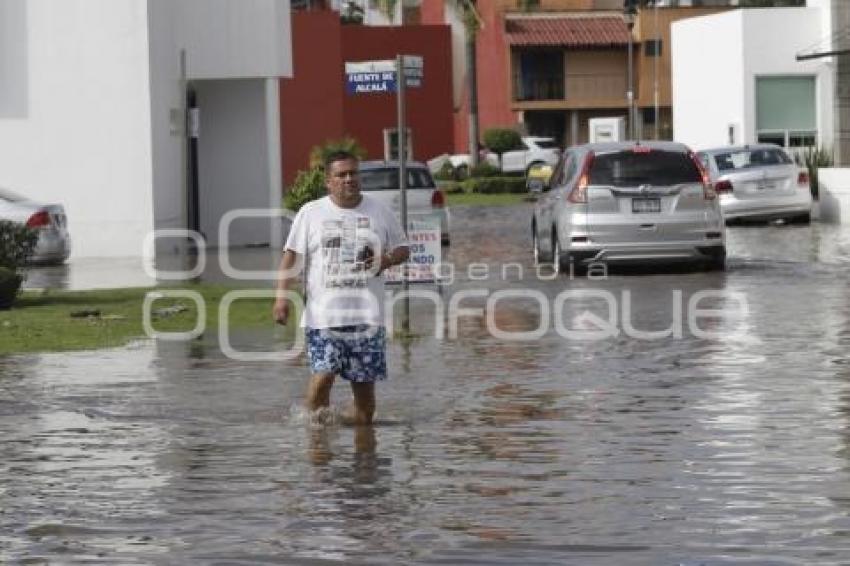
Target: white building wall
x=233, y=158
x=714, y=81
x=232, y=39
x=75, y=116
x=221, y=39
x=826, y=41
x=772, y=39
x=707, y=71
x=90, y=101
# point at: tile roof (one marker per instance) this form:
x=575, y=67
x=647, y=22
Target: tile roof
x=586, y=31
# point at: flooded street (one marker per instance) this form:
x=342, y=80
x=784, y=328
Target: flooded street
x=544, y=442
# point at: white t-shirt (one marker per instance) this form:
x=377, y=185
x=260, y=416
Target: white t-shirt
x=335, y=242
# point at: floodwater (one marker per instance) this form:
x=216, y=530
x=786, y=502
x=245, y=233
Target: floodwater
x=524, y=438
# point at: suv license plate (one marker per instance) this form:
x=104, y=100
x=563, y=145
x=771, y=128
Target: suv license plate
x=640, y=205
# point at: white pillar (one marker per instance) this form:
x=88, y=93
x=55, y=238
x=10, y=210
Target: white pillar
x=273, y=147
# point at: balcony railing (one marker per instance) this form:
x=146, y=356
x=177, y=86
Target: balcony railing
x=584, y=88
x=609, y=86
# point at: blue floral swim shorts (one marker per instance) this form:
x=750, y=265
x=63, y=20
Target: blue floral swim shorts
x=356, y=353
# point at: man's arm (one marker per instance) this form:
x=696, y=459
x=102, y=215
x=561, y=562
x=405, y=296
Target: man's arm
x=287, y=275
x=395, y=257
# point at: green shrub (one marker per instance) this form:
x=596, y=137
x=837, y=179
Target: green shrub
x=10, y=284
x=484, y=169
x=500, y=140
x=492, y=185
x=812, y=159
x=349, y=144
x=450, y=187
x=309, y=185
x=446, y=172
x=17, y=244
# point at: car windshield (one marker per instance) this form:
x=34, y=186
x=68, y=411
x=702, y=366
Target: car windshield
x=732, y=160
x=648, y=167
x=9, y=196
x=386, y=179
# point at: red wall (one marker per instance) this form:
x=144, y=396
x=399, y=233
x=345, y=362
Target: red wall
x=494, y=82
x=493, y=73
x=315, y=106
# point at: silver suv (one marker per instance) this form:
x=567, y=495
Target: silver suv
x=629, y=202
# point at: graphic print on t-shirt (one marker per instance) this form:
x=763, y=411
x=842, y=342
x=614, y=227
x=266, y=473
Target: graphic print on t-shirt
x=346, y=249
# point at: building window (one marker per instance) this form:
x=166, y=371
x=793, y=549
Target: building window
x=539, y=75
x=786, y=111
x=652, y=48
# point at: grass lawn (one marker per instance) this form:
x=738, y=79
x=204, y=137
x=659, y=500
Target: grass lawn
x=496, y=199
x=42, y=321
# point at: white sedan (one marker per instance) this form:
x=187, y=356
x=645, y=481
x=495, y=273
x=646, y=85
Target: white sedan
x=758, y=182
x=54, y=242
x=424, y=198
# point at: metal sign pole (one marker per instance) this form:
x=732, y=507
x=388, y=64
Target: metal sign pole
x=402, y=174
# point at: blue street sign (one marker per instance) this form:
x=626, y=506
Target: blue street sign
x=362, y=83
x=380, y=76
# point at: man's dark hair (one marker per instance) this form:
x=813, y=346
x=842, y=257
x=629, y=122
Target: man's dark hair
x=338, y=155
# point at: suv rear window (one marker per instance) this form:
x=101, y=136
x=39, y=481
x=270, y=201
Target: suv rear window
x=386, y=179
x=656, y=167
x=730, y=161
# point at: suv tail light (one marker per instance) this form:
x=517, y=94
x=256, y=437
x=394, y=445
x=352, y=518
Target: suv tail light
x=39, y=220
x=721, y=187
x=579, y=193
x=438, y=200
x=708, y=192
x=803, y=179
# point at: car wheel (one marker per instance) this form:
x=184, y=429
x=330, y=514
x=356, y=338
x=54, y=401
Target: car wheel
x=800, y=219
x=717, y=262
x=560, y=262
x=535, y=246
x=461, y=172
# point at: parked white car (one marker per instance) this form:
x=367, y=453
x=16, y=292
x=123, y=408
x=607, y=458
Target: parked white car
x=54, y=242
x=380, y=180
x=758, y=182
x=536, y=151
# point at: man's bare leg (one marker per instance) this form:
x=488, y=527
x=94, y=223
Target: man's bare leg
x=319, y=391
x=364, y=403
x=364, y=439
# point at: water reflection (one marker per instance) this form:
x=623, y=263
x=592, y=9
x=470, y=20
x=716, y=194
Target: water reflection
x=725, y=448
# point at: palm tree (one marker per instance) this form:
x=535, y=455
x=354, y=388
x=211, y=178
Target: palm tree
x=471, y=23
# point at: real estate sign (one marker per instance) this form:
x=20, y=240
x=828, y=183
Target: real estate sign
x=423, y=233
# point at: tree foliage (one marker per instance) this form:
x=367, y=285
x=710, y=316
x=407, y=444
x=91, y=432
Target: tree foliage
x=813, y=158
x=500, y=140
x=469, y=15
x=17, y=244
x=348, y=143
x=309, y=185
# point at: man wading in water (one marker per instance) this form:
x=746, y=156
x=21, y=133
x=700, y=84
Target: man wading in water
x=347, y=239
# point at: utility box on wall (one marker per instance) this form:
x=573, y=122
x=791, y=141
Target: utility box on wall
x=607, y=129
